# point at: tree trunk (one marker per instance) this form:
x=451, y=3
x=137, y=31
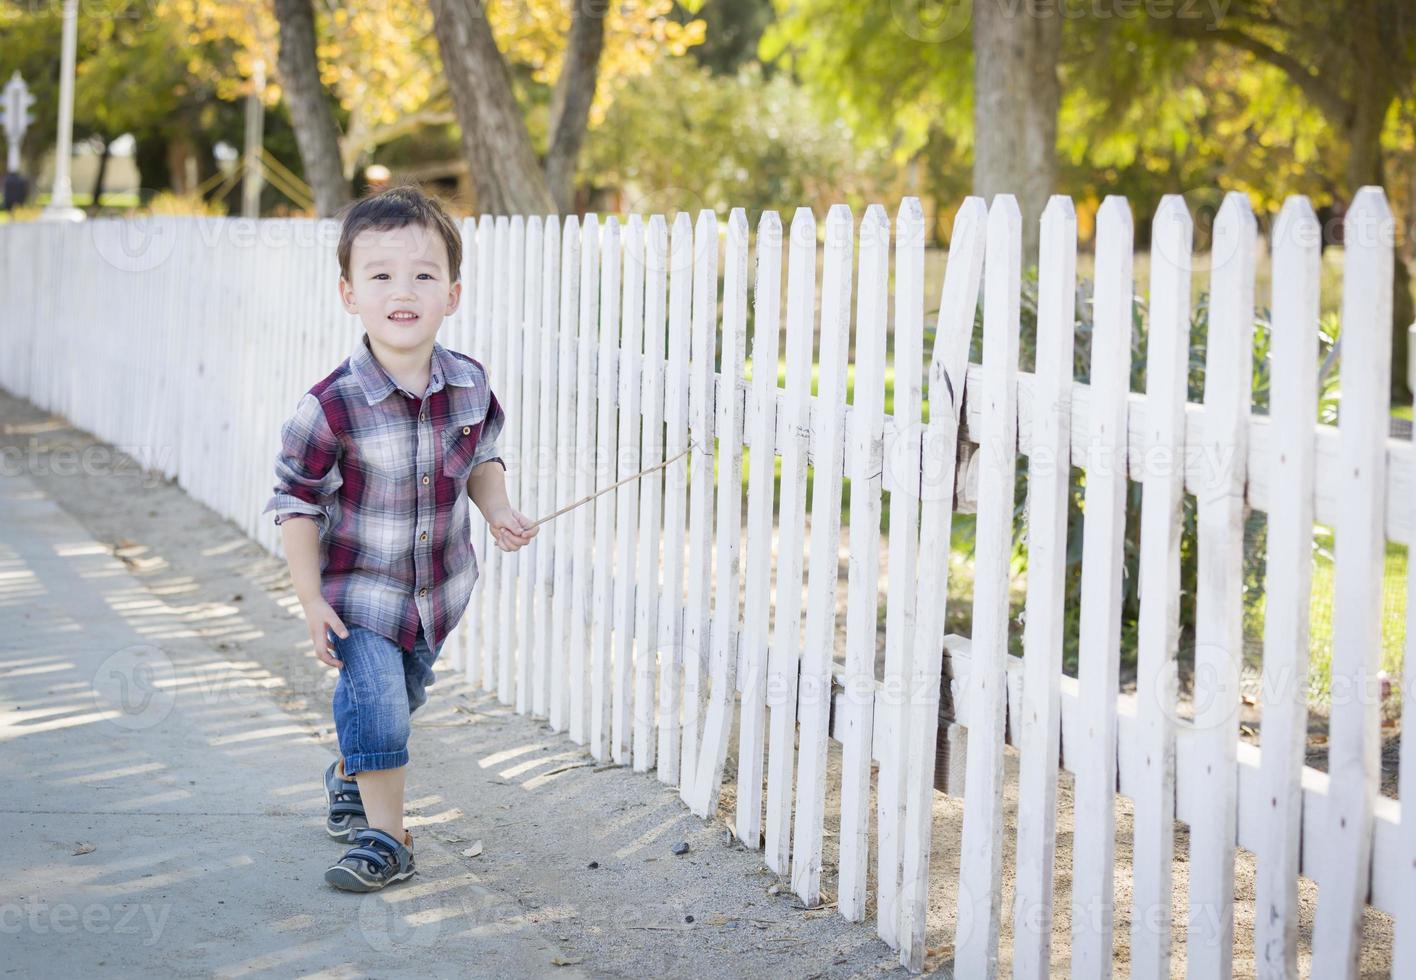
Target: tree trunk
x=505, y=171
x=575, y=90
x=315, y=130
x=97, y=200
x=1016, y=46
x=153, y=169
x=1372, y=94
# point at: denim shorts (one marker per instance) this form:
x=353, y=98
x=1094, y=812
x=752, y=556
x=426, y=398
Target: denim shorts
x=379, y=687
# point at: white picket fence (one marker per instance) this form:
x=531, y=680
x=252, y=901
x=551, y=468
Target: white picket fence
x=187, y=341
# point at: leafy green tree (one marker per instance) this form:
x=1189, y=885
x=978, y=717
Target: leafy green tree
x=683, y=138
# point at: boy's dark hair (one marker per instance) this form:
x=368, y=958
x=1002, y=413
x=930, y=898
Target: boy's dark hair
x=398, y=207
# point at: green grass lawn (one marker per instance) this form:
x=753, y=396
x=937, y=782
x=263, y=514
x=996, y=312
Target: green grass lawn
x=1320, y=620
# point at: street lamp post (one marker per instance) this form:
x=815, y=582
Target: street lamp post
x=255, y=136
x=61, y=200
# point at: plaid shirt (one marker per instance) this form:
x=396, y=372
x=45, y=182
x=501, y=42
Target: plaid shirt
x=385, y=478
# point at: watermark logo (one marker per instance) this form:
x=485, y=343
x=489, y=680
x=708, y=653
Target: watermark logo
x=138, y=243
x=144, y=921
x=138, y=681
x=932, y=21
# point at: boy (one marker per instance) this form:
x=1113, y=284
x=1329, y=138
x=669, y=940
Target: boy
x=377, y=457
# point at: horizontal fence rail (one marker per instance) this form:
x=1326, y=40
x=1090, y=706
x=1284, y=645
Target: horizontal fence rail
x=695, y=623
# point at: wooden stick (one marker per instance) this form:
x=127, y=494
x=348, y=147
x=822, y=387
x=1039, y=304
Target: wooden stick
x=586, y=499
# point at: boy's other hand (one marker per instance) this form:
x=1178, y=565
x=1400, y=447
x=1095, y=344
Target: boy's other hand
x=511, y=529
x=320, y=617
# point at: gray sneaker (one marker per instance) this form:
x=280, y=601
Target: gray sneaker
x=346, y=808
x=376, y=860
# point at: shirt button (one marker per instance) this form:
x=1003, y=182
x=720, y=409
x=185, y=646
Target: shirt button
x=467, y=430
x=422, y=592
x=423, y=536
x=425, y=479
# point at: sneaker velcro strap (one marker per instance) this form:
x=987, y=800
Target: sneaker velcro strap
x=379, y=849
x=376, y=859
x=372, y=835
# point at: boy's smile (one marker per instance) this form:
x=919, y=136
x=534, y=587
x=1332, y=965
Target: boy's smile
x=401, y=287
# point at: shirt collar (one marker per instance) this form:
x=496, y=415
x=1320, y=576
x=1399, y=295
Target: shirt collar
x=446, y=368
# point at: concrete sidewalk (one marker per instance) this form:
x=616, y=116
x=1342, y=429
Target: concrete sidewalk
x=165, y=816
x=163, y=732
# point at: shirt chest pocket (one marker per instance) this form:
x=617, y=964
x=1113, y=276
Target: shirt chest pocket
x=460, y=447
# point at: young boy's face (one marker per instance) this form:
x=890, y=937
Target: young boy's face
x=400, y=285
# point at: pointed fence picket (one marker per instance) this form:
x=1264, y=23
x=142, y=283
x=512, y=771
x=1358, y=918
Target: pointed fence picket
x=717, y=722
x=565, y=453
x=583, y=563
x=526, y=338
x=1039, y=729
x=1292, y=406
x=783, y=662
x=1103, y=562
x=548, y=639
x=981, y=856
x=1354, y=746
x=1219, y=608
x=1162, y=479
x=602, y=342
x=602, y=596
x=625, y=463
x=766, y=340
x=948, y=381
x=702, y=461
x=671, y=614
x=509, y=368
x=649, y=652
x=900, y=461
x=818, y=656
x=855, y=724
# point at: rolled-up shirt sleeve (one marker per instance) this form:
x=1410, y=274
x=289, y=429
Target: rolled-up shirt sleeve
x=489, y=441
x=307, y=471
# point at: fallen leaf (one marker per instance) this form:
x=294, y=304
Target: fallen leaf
x=472, y=851
x=85, y=849
x=565, y=961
